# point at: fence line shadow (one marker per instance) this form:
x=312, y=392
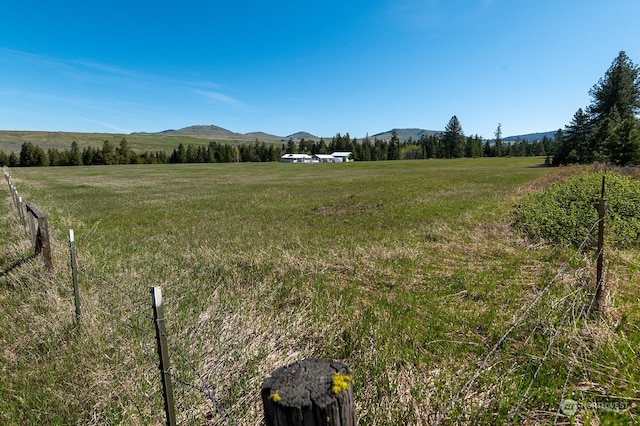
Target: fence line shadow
x=16, y=264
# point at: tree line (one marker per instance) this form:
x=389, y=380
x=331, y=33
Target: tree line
x=452, y=143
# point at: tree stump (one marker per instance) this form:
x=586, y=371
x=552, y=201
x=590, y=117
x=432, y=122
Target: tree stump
x=310, y=392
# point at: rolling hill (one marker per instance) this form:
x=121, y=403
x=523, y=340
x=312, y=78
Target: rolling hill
x=405, y=134
x=167, y=140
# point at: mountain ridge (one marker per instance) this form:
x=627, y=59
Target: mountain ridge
x=212, y=131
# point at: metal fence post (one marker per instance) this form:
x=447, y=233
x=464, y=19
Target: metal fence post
x=601, y=215
x=74, y=274
x=163, y=353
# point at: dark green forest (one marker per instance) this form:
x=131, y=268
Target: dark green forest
x=452, y=143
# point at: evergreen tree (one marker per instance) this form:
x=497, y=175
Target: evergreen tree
x=55, y=158
x=291, y=147
x=109, y=155
x=498, y=146
x=14, y=160
x=575, y=145
x=615, y=99
x=75, y=157
x=179, y=155
x=394, y=147
x=32, y=156
x=27, y=154
x=322, y=147
x=620, y=87
x=453, y=139
x=89, y=156
x=488, y=150
x=124, y=153
x=623, y=144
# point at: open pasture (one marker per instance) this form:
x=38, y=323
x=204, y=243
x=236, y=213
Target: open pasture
x=407, y=271
x=12, y=140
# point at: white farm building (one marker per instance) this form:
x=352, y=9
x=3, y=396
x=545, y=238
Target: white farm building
x=336, y=157
x=295, y=158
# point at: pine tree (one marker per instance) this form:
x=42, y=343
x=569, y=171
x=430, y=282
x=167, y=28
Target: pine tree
x=394, y=147
x=499, y=148
x=620, y=87
x=576, y=142
x=453, y=139
x=74, y=157
x=623, y=144
x=615, y=99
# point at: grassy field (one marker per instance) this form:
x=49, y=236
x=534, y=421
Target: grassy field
x=139, y=142
x=407, y=271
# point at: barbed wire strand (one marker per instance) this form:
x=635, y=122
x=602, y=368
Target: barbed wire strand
x=547, y=352
x=494, y=349
x=207, y=390
x=573, y=359
x=179, y=380
x=142, y=306
x=117, y=319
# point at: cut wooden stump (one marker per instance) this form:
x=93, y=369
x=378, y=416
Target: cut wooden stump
x=310, y=392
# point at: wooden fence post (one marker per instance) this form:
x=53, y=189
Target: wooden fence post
x=21, y=210
x=17, y=200
x=163, y=353
x=74, y=274
x=601, y=215
x=310, y=392
x=33, y=232
x=40, y=236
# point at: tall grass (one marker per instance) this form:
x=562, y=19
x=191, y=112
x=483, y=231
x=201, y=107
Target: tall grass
x=409, y=272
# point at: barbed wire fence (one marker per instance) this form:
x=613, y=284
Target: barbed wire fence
x=571, y=308
x=194, y=402
x=132, y=355
x=125, y=318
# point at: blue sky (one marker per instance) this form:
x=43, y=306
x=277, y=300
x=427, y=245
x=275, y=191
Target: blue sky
x=361, y=67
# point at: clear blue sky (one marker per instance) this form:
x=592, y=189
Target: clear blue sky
x=362, y=66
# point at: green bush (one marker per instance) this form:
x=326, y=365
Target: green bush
x=566, y=213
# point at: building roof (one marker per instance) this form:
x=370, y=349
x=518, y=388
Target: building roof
x=328, y=156
x=296, y=156
x=341, y=154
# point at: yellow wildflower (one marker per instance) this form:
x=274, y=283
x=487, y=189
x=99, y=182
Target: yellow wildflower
x=340, y=383
x=275, y=397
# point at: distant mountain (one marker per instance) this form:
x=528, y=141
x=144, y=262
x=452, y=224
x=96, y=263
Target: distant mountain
x=204, y=132
x=405, y=134
x=415, y=134
x=263, y=136
x=530, y=137
x=300, y=135
x=216, y=132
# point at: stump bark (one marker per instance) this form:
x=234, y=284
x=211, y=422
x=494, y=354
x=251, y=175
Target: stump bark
x=310, y=392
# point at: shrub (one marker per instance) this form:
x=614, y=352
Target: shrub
x=565, y=213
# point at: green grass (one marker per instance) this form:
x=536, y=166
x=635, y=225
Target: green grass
x=407, y=271
x=139, y=142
